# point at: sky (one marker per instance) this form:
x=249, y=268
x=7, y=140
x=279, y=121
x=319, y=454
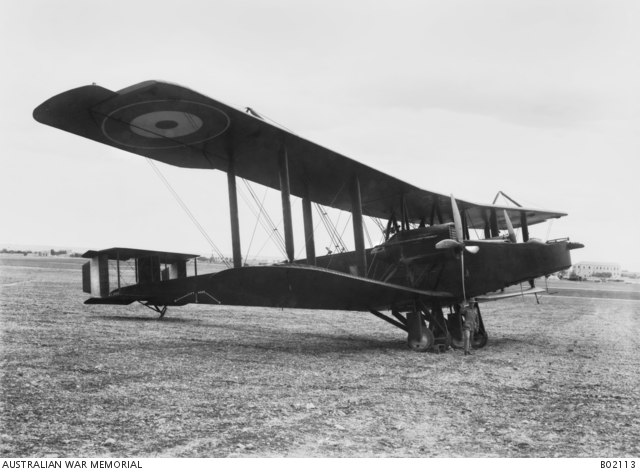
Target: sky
x=539, y=99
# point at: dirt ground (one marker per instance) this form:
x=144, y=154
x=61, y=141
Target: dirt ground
x=558, y=379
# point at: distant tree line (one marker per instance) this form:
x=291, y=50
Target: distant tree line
x=51, y=252
x=13, y=251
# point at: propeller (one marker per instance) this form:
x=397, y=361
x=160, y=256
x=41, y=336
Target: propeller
x=458, y=243
x=457, y=220
x=512, y=233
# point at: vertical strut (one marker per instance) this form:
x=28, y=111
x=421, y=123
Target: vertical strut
x=404, y=215
x=487, y=225
x=465, y=225
x=493, y=221
x=439, y=213
x=233, y=212
x=285, y=192
x=525, y=227
x=118, y=267
x=358, y=232
x=307, y=217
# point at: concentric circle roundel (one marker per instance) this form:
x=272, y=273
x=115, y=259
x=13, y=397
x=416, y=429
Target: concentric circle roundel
x=164, y=124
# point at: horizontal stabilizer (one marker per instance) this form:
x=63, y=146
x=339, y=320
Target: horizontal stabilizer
x=150, y=266
x=126, y=253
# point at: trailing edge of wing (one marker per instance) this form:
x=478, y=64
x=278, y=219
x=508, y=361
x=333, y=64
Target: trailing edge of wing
x=181, y=127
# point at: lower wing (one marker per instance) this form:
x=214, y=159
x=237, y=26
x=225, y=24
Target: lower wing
x=290, y=286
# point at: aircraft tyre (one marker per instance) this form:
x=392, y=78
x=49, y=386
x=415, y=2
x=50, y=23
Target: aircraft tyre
x=479, y=340
x=457, y=343
x=422, y=343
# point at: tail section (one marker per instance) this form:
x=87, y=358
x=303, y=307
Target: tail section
x=110, y=270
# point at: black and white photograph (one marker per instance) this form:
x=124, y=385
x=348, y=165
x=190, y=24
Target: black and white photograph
x=320, y=229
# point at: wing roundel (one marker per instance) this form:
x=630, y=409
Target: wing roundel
x=164, y=124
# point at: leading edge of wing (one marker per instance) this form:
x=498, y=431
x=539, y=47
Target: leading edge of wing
x=181, y=127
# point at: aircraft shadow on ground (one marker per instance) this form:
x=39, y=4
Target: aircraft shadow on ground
x=285, y=340
x=152, y=318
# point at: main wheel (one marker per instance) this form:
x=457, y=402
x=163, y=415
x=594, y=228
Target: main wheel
x=457, y=343
x=422, y=343
x=479, y=340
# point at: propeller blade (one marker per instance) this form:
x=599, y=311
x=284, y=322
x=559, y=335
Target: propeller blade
x=448, y=244
x=457, y=220
x=512, y=233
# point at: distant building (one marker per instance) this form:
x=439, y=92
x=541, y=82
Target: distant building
x=588, y=269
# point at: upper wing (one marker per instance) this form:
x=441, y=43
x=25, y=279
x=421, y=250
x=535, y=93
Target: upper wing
x=178, y=126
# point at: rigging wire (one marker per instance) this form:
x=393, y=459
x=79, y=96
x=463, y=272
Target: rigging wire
x=345, y=225
x=188, y=212
x=264, y=219
x=549, y=229
x=380, y=226
x=334, y=235
x=366, y=232
x=255, y=227
x=332, y=230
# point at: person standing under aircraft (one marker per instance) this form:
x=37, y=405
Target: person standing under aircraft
x=470, y=325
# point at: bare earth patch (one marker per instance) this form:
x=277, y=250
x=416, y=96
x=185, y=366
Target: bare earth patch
x=559, y=379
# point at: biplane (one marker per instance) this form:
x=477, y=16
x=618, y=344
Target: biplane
x=427, y=263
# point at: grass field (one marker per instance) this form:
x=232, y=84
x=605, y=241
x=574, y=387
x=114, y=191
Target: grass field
x=559, y=379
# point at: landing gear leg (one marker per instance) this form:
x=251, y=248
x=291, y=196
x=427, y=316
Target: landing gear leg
x=438, y=326
x=480, y=337
x=160, y=309
x=454, y=323
x=420, y=337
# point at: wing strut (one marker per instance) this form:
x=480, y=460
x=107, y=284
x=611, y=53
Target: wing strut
x=285, y=192
x=525, y=226
x=307, y=216
x=233, y=211
x=358, y=233
x=493, y=222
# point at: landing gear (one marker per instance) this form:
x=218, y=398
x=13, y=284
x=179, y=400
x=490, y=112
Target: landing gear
x=161, y=309
x=428, y=329
x=455, y=320
x=420, y=338
x=432, y=333
x=438, y=326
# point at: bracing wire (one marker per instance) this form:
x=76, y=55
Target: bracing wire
x=334, y=235
x=366, y=232
x=264, y=219
x=549, y=229
x=380, y=226
x=255, y=227
x=264, y=212
x=345, y=225
x=189, y=213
